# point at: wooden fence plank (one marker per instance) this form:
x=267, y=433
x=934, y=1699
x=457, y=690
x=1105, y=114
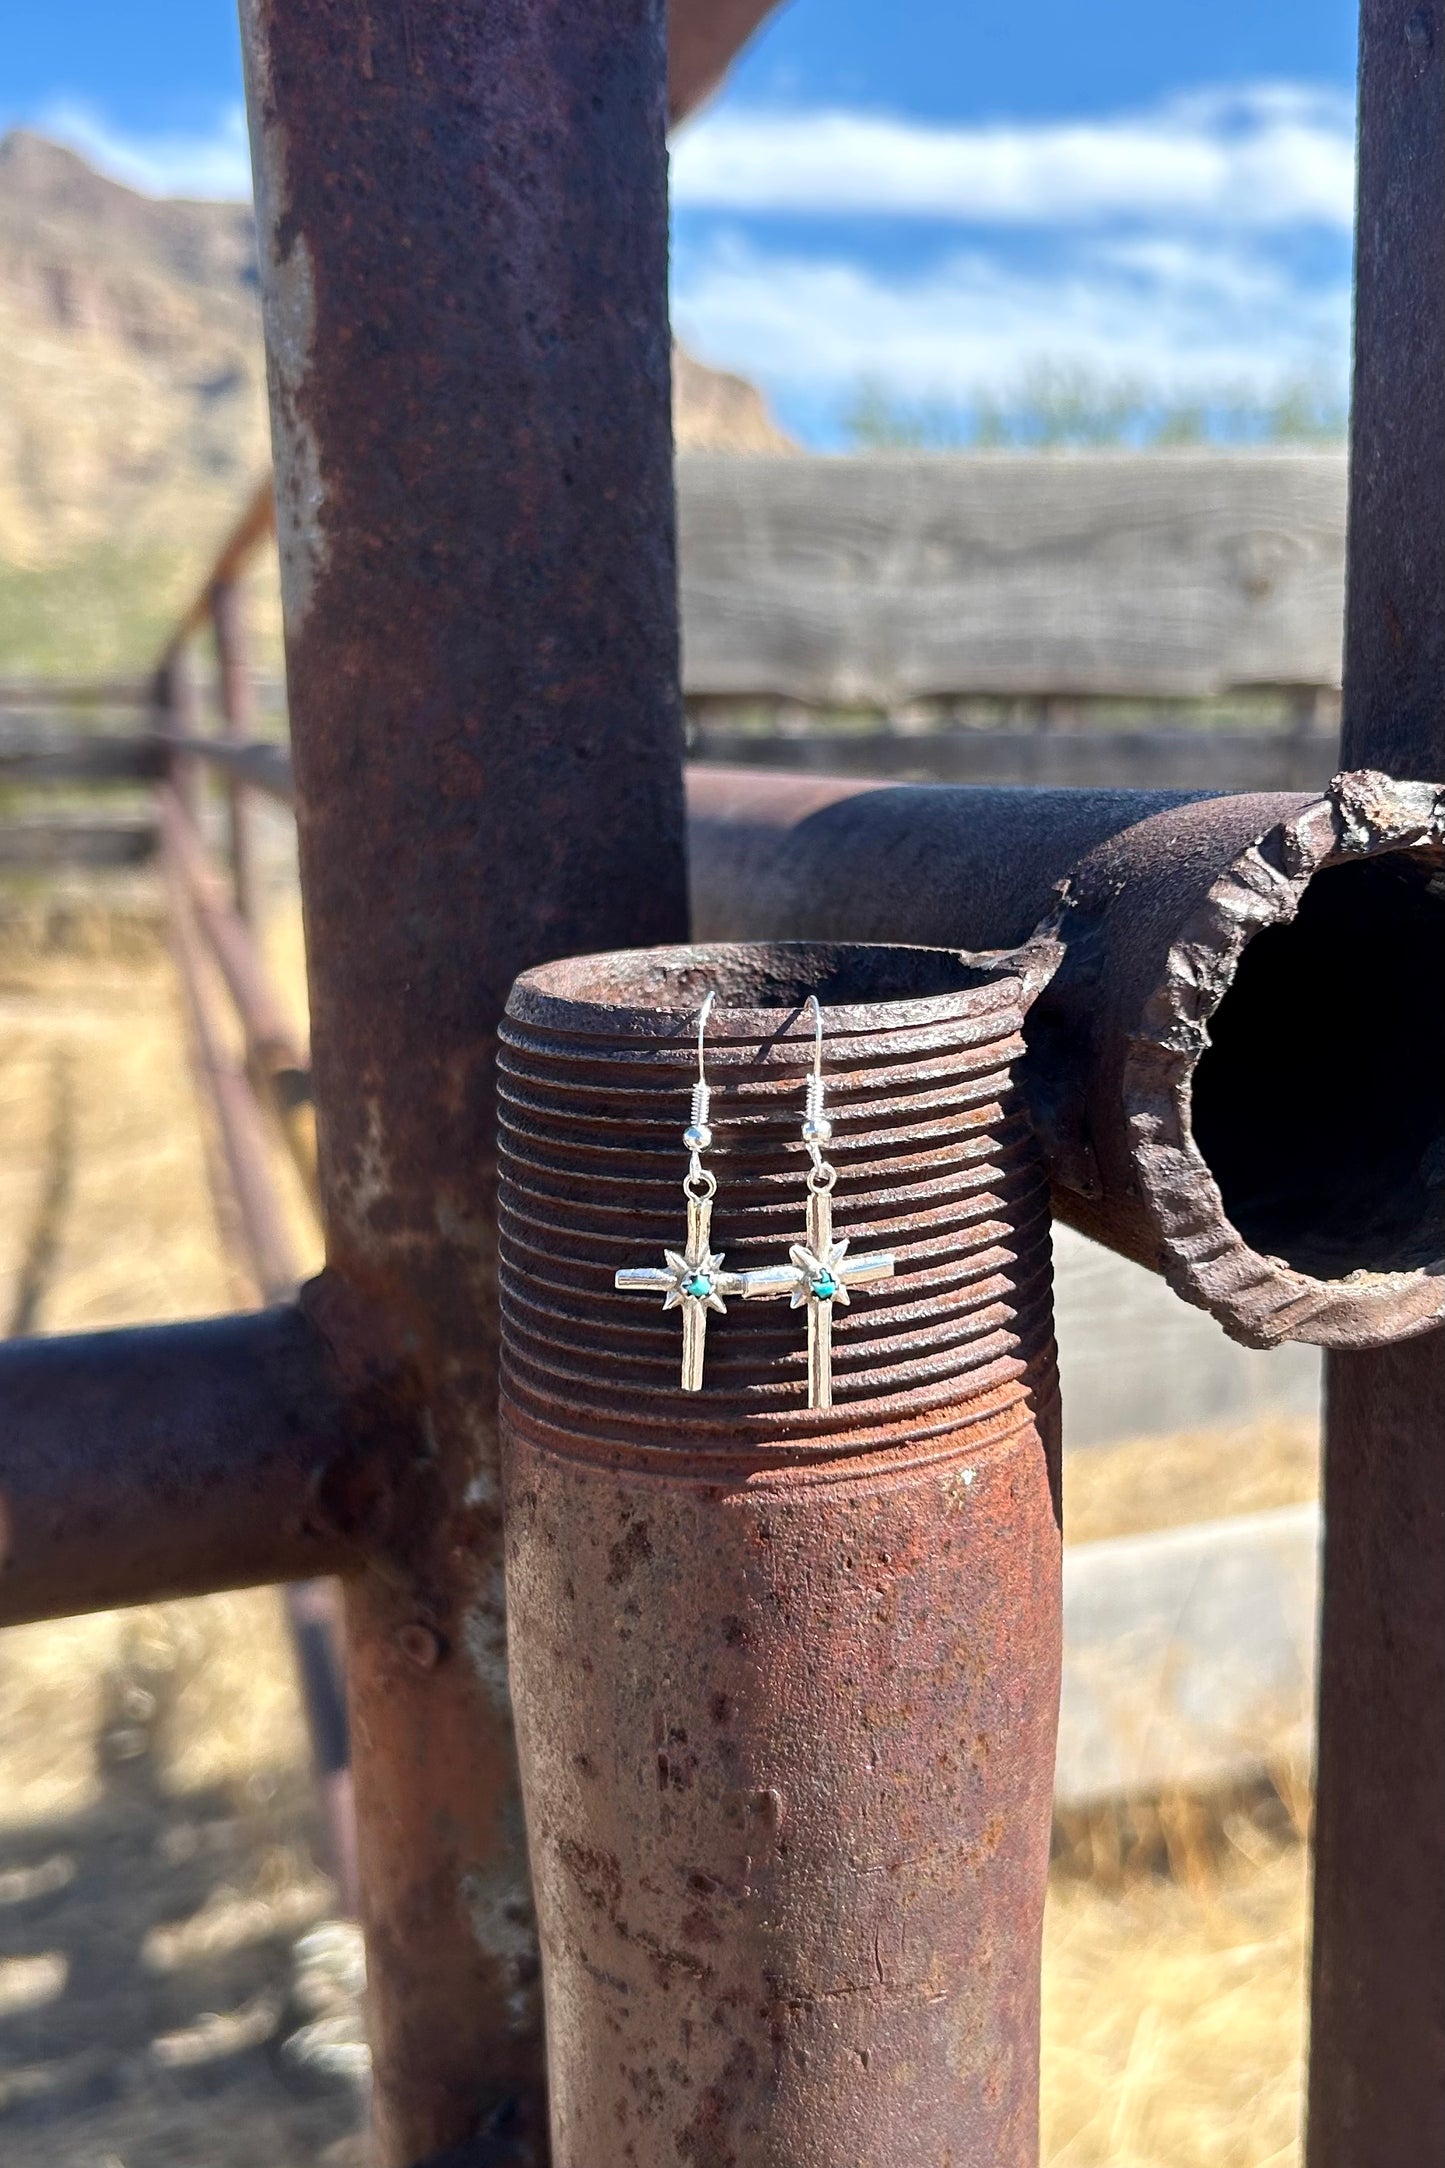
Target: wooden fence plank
x=42, y=846
x=1142, y=760
x=1189, y=1657
x=876, y=580
x=81, y=757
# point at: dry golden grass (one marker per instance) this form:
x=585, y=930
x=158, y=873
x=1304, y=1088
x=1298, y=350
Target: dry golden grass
x=1196, y=1475
x=158, y=1886
x=1174, y=2018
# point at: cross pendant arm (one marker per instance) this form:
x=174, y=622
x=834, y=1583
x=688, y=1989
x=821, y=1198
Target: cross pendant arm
x=691, y=1280
x=819, y=1274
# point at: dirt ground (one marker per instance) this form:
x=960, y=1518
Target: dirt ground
x=174, y=1991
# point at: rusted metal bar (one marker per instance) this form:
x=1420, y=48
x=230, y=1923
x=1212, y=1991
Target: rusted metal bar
x=786, y=1681
x=176, y=713
x=268, y=1030
x=990, y=858
x=313, y=1612
x=271, y=1260
x=93, y=757
x=1377, y=2061
x=704, y=38
x=261, y=766
x=238, y=722
x=41, y=843
x=255, y=526
x=480, y=604
x=124, y=693
x=1203, y=939
x=276, y=1060
x=270, y=1251
x=178, y=1459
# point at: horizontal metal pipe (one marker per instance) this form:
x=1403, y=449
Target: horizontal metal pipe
x=89, y=694
x=260, y=765
x=1235, y=1069
x=177, y=1459
x=41, y=845
x=770, y=850
x=85, y=757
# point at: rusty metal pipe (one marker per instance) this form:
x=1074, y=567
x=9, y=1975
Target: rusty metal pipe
x=175, y=712
x=786, y=1682
x=704, y=37
x=261, y=766
x=982, y=863
x=269, y=1034
x=177, y=1459
x=274, y=1057
x=256, y=523
x=1377, y=2052
x=247, y=1199
x=1199, y=1112
x=463, y=238
x=270, y=1251
x=238, y=718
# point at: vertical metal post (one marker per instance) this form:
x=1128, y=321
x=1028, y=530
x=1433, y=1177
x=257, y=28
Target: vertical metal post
x=1377, y=2067
x=175, y=711
x=238, y=719
x=463, y=236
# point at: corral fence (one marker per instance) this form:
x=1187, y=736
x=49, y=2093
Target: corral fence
x=487, y=738
x=1157, y=621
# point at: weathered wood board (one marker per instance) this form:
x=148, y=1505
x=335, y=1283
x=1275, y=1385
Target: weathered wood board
x=1189, y=1657
x=874, y=580
x=44, y=846
x=1057, y=760
x=1136, y=1362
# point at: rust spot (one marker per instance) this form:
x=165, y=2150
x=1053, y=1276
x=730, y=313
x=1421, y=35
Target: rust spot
x=627, y=1553
x=420, y=1645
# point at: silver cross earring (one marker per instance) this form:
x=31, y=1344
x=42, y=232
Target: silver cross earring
x=821, y=1272
x=691, y=1279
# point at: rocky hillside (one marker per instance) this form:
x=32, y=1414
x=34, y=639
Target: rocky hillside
x=132, y=405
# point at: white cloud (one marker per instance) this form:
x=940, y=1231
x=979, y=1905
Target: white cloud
x=215, y=164
x=1183, y=319
x=1162, y=246
x=1266, y=155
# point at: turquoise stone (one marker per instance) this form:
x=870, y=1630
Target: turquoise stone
x=825, y=1288
x=699, y=1286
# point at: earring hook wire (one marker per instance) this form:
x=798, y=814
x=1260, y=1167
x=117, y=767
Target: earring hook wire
x=700, y=1182
x=816, y=1008
x=702, y=1016
x=817, y=1129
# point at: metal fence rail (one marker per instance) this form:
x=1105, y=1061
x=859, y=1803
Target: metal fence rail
x=450, y=579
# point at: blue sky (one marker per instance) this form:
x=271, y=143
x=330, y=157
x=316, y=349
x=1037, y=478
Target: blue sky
x=938, y=196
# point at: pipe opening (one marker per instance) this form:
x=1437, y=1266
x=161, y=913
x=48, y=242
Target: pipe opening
x=764, y=975
x=1319, y=1105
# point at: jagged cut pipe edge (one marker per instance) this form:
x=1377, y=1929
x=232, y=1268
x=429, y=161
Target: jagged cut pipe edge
x=1262, y=1300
